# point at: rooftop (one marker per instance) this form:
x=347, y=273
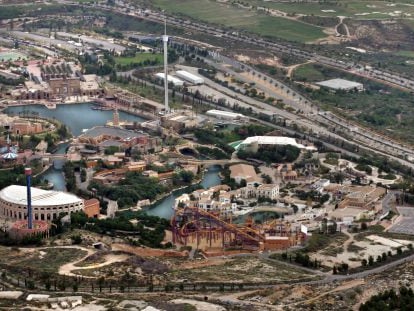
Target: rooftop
x=224, y=113
x=243, y=170
x=273, y=140
x=18, y=195
x=340, y=84
x=110, y=132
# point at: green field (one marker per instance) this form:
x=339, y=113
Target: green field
x=140, y=57
x=308, y=72
x=409, y=54
x=243, y=19
x=350, y=8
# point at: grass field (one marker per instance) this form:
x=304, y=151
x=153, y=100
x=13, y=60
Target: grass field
x=308, y=72
x=243, y=19
x=140, y=57
x=349, y=8
x=409, y=54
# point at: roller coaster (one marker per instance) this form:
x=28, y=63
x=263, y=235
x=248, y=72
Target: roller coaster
x=194, y=225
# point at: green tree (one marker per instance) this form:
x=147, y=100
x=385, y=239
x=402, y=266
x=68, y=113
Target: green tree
x=370, y=260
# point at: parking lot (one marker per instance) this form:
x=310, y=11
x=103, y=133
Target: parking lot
x=406, y=223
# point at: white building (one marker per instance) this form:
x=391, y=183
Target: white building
x=341, y=84
x=192, y=78
x=253, y=143
x=226, y=115
x=184, y=199
x=46, y=205
x=320, y=185
x=269, y=191
x=170, y=78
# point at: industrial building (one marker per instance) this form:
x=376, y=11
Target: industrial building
x=55, y=78
x=46, y=205
x=341, y=84
x=226, y=115
x=170, y=78
x=192, y=78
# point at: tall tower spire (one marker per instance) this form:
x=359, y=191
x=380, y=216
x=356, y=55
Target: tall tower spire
x=115, y=120
x=28, y=173
x=165, y=41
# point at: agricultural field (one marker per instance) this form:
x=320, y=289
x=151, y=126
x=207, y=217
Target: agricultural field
x=243, y=19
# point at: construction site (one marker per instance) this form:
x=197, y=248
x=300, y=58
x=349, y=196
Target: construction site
x=212, y=233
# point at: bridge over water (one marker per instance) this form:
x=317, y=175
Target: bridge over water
x=208, y=163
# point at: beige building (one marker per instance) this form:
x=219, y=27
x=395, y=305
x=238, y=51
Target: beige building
x=244, y=172
x=362, y=196
x=64, y=86
x=269, y=191
x=92, y=208
x=22, y=127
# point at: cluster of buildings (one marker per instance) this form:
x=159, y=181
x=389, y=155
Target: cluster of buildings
x=181, y=77
x=19, y=126
x=54, y=79
x=356, y=202
x=221, y=199
x=103, y=137
x=216, y=199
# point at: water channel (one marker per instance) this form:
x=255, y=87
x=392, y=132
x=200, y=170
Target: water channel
x=76, y=116
x=164, y=208
x=81, y=116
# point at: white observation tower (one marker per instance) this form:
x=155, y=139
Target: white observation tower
x=165, y=41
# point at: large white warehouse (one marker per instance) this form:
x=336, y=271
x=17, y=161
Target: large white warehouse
x=46, y=205
x=188, y=76
x=254, y=142
x=226, y=115
x=170, y=78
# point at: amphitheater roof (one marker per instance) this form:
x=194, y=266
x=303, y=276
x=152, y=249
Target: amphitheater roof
x=17, y=195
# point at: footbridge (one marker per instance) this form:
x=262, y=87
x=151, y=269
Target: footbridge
x=208, y=163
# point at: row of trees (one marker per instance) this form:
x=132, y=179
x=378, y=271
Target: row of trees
x=384, y=256
x=390, y=300
x=212, y=153
x=149, y=231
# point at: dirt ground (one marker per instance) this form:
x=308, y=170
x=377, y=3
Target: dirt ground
x=147, y=252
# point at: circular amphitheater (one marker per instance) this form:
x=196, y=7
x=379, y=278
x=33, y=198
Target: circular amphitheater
x=46, y=205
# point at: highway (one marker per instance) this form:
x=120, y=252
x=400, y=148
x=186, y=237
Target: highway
x=367, y=71
x=350, y=66
x=319, y=122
